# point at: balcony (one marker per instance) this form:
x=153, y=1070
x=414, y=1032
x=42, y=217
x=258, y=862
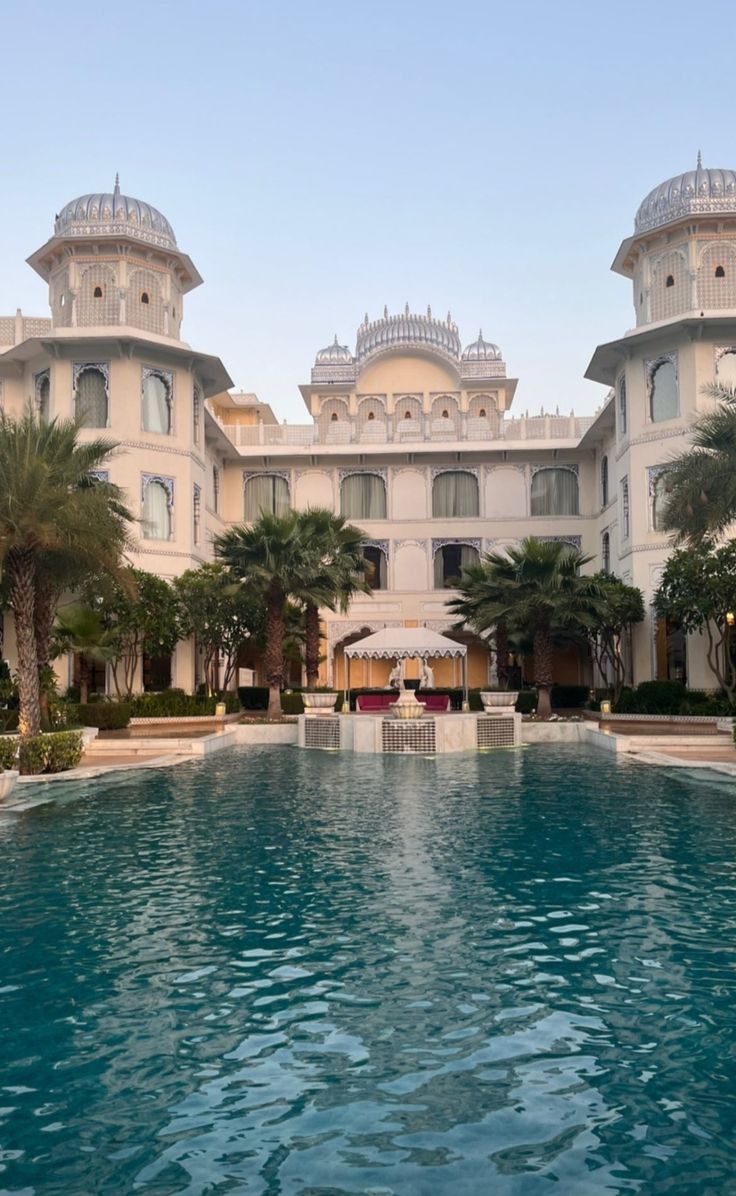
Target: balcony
x=377, y=434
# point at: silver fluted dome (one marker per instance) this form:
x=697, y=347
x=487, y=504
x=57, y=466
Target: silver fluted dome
x=481, y=350
x=696, y=191
x=407, y=330
x=111, y=213
x=334, y=354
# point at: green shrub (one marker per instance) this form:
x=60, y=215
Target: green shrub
x=253, y=697
x=526, y=703
x=569, y=697
x=50, y=753
x=108, y=716
x=174, y=703
x=64, y=750
x=291, y=703
x=653, y=697
x=8, y=751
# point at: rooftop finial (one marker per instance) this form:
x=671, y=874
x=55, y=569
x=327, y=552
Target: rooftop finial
x=700, y=160
x=406, y=308
x=117, y=184
x=335, y=340
x=385, y=311
x=429, y=312
x=480, y=334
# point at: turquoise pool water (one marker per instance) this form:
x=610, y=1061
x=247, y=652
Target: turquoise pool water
x=292, y=972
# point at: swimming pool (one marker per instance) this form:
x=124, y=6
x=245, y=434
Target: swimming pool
x=282, y=972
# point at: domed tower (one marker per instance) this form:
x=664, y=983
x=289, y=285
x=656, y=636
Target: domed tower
x=113, y=261
x=682, y=256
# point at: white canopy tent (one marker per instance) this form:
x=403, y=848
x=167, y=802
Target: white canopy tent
x=407, y=643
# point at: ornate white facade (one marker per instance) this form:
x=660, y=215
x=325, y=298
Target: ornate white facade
x=409, y=433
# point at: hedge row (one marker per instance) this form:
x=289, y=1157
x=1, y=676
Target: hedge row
x=36, y=754
x=174, y=703
x=671, y=697
x=108, y=716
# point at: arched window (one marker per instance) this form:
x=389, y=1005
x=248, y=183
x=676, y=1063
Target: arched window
x=482, y=413
x=377, y=572
x=157, y=401
x=625, y=512
x=266, y=493
x=455, y=495
x=670, y=281
x=726, y=367
x=371, y=415
x=720, y=272
x=90, y=397
x=659, y=492
x=144, y=297
x=157, y=509
x=623, y=414
x=662, y=390
x=604, y=481
x=363, y=496
x=554, y=492
x=450, y=560
x=42, y=388
x=407, y=415
x=215, y=489
x=606, y=552
x=97, y=293
x=333, y=417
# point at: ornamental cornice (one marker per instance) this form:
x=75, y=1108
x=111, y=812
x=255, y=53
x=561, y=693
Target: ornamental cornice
x=266, y=473
x=161, y=448
x=652, y=364
x=80, y=367
x=473, y=470
x=376, y=471
x=410, y=544
x=341, y=630
x=489, y=469
x=471, y=541
x=162, y=480
x=648, y=437
x=720, y=351
x=382, y=544
x=190, y=556
x=575, y=541
x=572, y=466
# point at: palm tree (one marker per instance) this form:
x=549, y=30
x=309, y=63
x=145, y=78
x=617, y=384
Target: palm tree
x=479, y=586
x=334, y=570
x=701, y=482
x=535, y=588
x=269, y=555
x=81, y=630
x=50, y=504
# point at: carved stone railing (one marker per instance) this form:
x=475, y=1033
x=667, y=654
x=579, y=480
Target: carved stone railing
x=426, y=430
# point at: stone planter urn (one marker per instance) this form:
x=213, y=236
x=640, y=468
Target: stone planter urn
x=319, y=703
x=407, y=705
x=499, y=703
x=8, y=781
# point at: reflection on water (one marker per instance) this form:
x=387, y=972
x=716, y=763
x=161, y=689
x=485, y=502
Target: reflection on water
x=292, y=972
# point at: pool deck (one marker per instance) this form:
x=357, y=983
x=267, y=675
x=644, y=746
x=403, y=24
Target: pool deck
x=699, y=750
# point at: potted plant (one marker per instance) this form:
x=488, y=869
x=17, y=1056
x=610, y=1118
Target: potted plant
x=319, y=701
x=498, y=701
x=8, y=765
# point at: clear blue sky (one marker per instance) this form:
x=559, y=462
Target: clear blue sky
x=318, y=160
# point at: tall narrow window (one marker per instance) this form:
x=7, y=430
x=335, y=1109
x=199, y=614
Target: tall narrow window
x=554, y=492
x=455, y=495
x=625, y=516
x=604, y=481
x=377, y=573
x=42, y=387
x=658, y=489
x=156, y=516
x=623, y=415
x=90, y=396
x=157, y=401
x=215, y=489
x=266, y=493
x=97, y=293
x=363, y=496
x=670, y=281
x=196, y=512
x=606, y=552
x=663, y=390
x=720, y=272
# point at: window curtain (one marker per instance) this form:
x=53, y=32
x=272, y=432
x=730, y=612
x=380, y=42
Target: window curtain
x=659, y=502
x=450, y=561
x=267, y=493
x=156, y=405
x=156, y=512
x=554, y=492
x=377, y=575
x=43, y=391
x=363, y=496
x=664, y=393
x=604, y=482
x=90, y=401
x=455, y=496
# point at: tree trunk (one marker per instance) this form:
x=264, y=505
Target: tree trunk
x=502, y=654
x=311, y=644
x=274, y=654
x=45, y=602
x=543, y=669
x=83, y=678
x=22, y=577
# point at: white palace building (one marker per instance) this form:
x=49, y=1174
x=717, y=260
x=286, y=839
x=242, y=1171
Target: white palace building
x=409, y=432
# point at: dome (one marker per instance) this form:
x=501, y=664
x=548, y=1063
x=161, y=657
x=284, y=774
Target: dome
x=111, y=213
x=481, y=350
x=694, y=192
x=407, y=331
x=334, y=354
